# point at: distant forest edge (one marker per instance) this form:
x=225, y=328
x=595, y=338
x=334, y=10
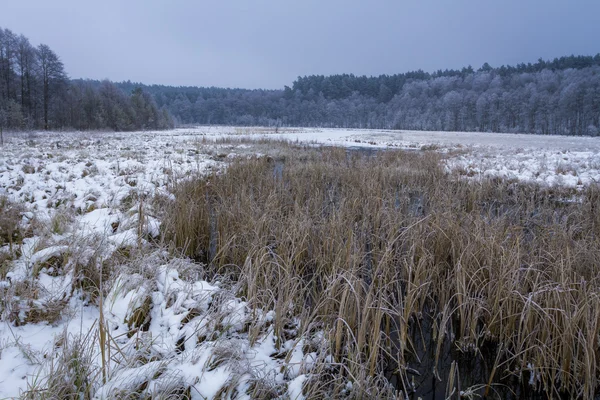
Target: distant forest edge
x=548, y=97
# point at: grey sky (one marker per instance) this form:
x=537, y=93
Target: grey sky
x=268, y=43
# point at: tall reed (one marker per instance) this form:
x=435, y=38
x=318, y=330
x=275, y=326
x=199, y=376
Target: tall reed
x=404, y=267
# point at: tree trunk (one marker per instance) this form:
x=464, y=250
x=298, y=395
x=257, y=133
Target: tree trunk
x=46, y=96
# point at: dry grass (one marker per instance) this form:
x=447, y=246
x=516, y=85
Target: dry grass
x=10, y=218
x=414, y=276
x=72, y=374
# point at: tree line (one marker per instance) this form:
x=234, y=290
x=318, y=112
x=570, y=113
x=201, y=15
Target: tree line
x=36, y=93
x=560, y=96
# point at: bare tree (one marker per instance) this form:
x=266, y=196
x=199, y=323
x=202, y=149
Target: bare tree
x=25, y=55
x=7, y=47
x=2, y=123
x=52, y=74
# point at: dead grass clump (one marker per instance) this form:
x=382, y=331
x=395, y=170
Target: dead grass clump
x=10, y=218
x=54, y=265
x=50, y=311
x=430, y=147
x=60, y=221
x=92, y=276
x=140, y=317
x=566, y=169
x=21, y=304
x=409, y=272
x=71, y=371
x=28, y=169
x=6, y=259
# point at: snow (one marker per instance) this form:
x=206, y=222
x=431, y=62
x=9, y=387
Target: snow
x=551, y=160
x=23, y=348
x=295, y=388
x=14, y=370
x=87, y=195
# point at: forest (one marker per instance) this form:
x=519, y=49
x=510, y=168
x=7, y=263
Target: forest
x=36, y=93
x=561, y=96
x=549, y=97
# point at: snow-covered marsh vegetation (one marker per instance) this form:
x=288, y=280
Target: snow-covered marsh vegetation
x=406, y=272
x=204, y=263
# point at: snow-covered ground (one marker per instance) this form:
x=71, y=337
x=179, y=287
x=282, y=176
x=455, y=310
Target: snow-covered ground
x=563, y=160
x=82, y=195
x=88, y=197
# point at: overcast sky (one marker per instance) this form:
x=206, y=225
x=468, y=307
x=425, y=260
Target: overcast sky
x=268, y=43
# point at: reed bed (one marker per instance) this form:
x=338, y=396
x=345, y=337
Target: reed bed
x=420, y=283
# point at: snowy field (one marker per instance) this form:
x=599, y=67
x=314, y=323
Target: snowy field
x=563, y=160
x=89, y=199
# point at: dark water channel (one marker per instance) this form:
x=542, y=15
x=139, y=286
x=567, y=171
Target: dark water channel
x=469, y=371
